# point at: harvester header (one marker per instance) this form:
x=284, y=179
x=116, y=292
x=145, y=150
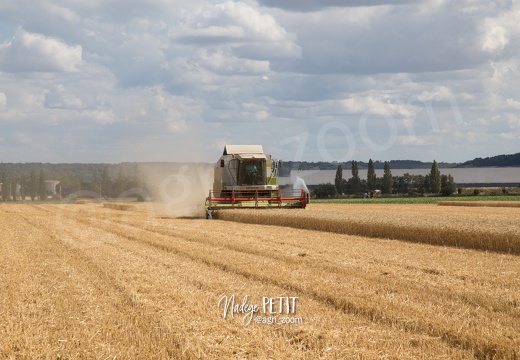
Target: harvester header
x=246, y=177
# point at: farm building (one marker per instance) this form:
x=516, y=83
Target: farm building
x=50, y=186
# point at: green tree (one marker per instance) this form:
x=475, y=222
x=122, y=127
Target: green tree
x=106, y=182
x=324, y=191
x=5, y=188
x=388, y=180
x=426, y=183
x=22, y=188
x=371, y=176
x=136, y=181
x=41, y=186
x=69, y=184
x=338, y=181
x=32, y=186
x=95, y=182
x=138, y=176
x=448, y=185
x=13, y=187
x=354, y=183
x=435, y=179
x=137, y=184
x=120, y=184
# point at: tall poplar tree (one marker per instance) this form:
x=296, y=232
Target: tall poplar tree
x=106, y=182
x=5, y=188
x=338, y=181
x=354, y=182
x=435, y=178
x=388, y=180
x=32, y=186
x=41, y=186
x=22, y=188
x=371, y=176
x=120, y=184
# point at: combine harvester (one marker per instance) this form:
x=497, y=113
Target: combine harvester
x=245, y=177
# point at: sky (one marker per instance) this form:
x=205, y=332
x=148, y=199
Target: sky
x=109, y=81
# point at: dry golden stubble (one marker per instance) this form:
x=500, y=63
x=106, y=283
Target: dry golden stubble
x=118, y=206
x=268, y=270
x=358, y=254
x=61, y=306
x=143, y=276
x=310, y=339
x=492, y=229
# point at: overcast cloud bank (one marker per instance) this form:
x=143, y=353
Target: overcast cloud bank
x=165, y=80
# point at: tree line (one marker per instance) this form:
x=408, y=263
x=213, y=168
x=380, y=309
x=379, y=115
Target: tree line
x=433, y=183
x=32, y=186
x=499, y=160
x=288, y=166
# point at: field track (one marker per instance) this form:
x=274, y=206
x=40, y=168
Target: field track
x=85, y=281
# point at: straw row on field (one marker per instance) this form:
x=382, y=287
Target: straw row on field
x=118, y=206
x=450, y=228
x=83, y=201
x=481, y=203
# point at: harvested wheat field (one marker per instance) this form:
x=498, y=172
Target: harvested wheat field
x=86, y=281
x=495, y=229
x=481, y=203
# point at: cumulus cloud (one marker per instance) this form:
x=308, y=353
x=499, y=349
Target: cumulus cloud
x=31, y=52
x=224, y=62
x=515, y=104
x=101, y=116
x=155, y=75
x=500, y=34
x=495, y=39
x=504, y=69
x=23, y=139
x=59, y=98
x=234, y=21
x=441, y=93
x=411, y=38
x=510, y=136
x=412, y=140
x=241, y=27
x=513, y=122
x=377, y=106
x=3, y=99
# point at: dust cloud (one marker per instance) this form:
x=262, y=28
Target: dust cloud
x=179, y=189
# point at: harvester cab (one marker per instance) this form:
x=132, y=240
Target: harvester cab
x=245, y=177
